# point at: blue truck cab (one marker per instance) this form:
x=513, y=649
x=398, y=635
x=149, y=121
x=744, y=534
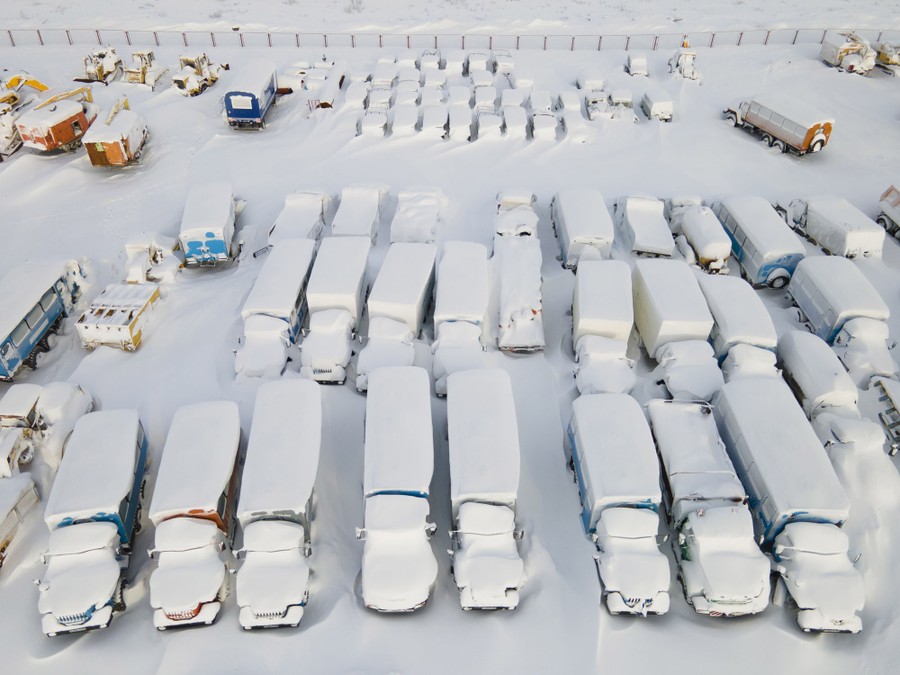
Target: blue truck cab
x=252, y=94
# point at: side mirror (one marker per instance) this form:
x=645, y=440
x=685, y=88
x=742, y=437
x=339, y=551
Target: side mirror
x=360, y=534
x=519, y=535
x=856, y=559
x=430, y=529
x=44, y=558
x=151, y=553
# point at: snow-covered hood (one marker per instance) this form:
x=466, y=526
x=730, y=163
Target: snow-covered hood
x=190, y=569
x=630, y=560
x=269, y=582
x=264, y=351
x=828, y=583
x=328, y=341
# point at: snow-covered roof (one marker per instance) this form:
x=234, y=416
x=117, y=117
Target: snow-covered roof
x=842, y=285
x=12, y=489
x=581, y=215
x=418, y=211
x=647, y=222
x=839, y=210
x=400, y=291
x=359, y=211
x=97, y=469
x=301, y=216
x=519, y=268
x=281, y=279
x=399, y=450
x=739, y=313
x=602, y=303
x=793, y=108
x=763, y=226
x=19, y=400
x=484, y=438
x=197, y=460
x=208, y=205
x=789, y=460
x=463, y=283
x=705, y=233
x=283, y=449
x=817, y=371
x=121, y=296
x=22, y=288
x=253, y=78
x=336, y=276
x=122, y=125
x=49, y=116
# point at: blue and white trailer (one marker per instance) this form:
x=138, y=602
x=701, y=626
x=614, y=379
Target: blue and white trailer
x=252, y=94
x=34, y=298
x=93, y=515
x=207, y=224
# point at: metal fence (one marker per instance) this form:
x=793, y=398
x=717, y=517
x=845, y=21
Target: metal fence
x=205, y=39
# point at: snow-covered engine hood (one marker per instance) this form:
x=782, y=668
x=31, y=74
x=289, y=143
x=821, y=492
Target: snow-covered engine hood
x=269, y=582
x=264, y=351
x=487, y=562
x=630, y=560
x=190, y=569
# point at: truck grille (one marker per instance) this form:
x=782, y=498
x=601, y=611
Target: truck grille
x=184, y=614
x=269, y=615
x=73, y=619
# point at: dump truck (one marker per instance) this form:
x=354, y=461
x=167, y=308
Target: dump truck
x=101, y=65
x=196, y=74
x=782, y=122
x=60, y=122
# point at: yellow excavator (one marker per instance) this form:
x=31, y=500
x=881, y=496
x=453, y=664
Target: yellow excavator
x=12, y=104
x=85, y=93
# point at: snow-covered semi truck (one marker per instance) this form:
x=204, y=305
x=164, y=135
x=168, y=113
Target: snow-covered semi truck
x=783, y=122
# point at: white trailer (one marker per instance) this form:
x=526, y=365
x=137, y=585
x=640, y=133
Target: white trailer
x=709, y=244
x=359, y=211
x=117, y=317
x=790, y=480
x=418, y=215
x=275, y=503
x=518, y=264
x=722, y=569
x=484, y=480
x=643, y=226
x=273, y=312
x=582, y=225
x=301, y=217
x=334, y=295
x=836, y=225
x=398, y=567
x=611, y=452
x=816, y=376
x=668, y=304
x=192, y=510
x=739, y=314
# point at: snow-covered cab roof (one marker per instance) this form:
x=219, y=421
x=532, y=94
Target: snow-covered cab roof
x=18, y=402
x=739, y=313
x=602, y=303
x=339, y=271
x=98, y=467
x=762, y=225
x=463, y=283
x=484, y=438
x=22, y=288
x=817, y=372
x=399, y=450
x=281, y=280
x=400, y=291
x=282, y=451
x=208, y=206
x=197, y=461
x=253, y=78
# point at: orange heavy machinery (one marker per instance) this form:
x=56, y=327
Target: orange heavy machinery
x=60, y=122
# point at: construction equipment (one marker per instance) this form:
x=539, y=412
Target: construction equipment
x=887, y=57
x=101, y=65
x=848, y=51
x=682, y=62
x=59, y=122
x=119, y=140
x=196, y=73
x=144, y=70
x=12, y=105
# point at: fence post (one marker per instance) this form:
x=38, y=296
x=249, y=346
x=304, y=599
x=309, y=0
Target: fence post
x=490, y=41
x=184, y=39
x=241, y=36
x=545, y=43
x=768, y=34
x=740, y=38
x=40, y=37
x=572, y=49
x=407, y=41
x=518, y=37
x=155, y=38
x=212, y=37
x=128, y=38
x=353, y=40
x=99, y=41
x=712, y=40
x=627, y=42
x=599, y=42
x=462, y=41
x=655, y=42
x=796, y=35
x=269, y=38
x=380, y=41
x=69, y=37
x=325, y=40
x=880, y=33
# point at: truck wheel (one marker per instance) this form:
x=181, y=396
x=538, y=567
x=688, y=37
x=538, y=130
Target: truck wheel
x=780, y=145
x=885, y=223
x=777, y=281
x=731, y=118
x=767, y=139
x=817, y=145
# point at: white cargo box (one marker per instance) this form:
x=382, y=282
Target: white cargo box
x=302, y=217
x=739, y=314
x=644, y=226
x=707, y=237
x=399, y=449
x=668, y=304
x=281, y=280
x=418, y=215
x=816, y=375
x=117, y=316
x=338, y=279
x=582, y=222
x=842, y=229
x=613, y=455
x=403, y=287
x=463, y=283
x=602, y=303
x=359, y=212
x=483, y=438
x=830, y=291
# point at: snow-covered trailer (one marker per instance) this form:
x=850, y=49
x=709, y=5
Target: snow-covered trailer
x=739, y=314
x=117, y=317
x=116, y=141
x=93, y=514
x=251, y=95
x=836, y=225
x=398, y=567
x=790, y=480
x=207, y=224
x=418, y=215
x=707, y=238
x=18, y=495
x=611, y=451
x=783, y=121
x=761, y=241
x=404, y=284
x=668, y=304
x=301, y=217
x=518, y=265
x=273, y=312
x=275, y=503
x=34, y=298
x=722, y=569
x=816, y=376
x=359, y=212
x=602, y=302
x=484, y=481
x=644, y=228
x=58, y=126
x=582, y=224
x=192, y=510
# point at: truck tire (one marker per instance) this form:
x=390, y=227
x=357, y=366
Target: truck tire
x=731, y=118
x=767, y=139
x=780, y=145
x=778, y=280
x=817, y=145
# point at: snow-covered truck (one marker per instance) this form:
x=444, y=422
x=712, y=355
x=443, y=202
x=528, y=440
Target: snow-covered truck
x=843, y=308
x=334, y=296
x=847, y=51
x=582, y=225
x=301, y=217
x=418, y=215
x=462, y=296
x=515, y=214
x=791, y=482
x=816, y=376
x=59, y=122
x=93, y=515
x=274, y=310
x=359, y=212
x=611, y=451
x=18, y=495
x=398, y=565
x=783, y=122
x=836, y=225
x=643, y=226
x=483, y=438
x=192, y=510
x=721, y=567
x=34, y=298
x=396, y=308
x=275, y=508
x=699, y=235
x=118, y=316
x=518, y=265
x=119, y=139
x=765, y=247
x=207, y=224
x=251, y=95
x=602, y=321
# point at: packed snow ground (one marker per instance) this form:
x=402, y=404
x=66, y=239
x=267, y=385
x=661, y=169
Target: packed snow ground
x=60, y=206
